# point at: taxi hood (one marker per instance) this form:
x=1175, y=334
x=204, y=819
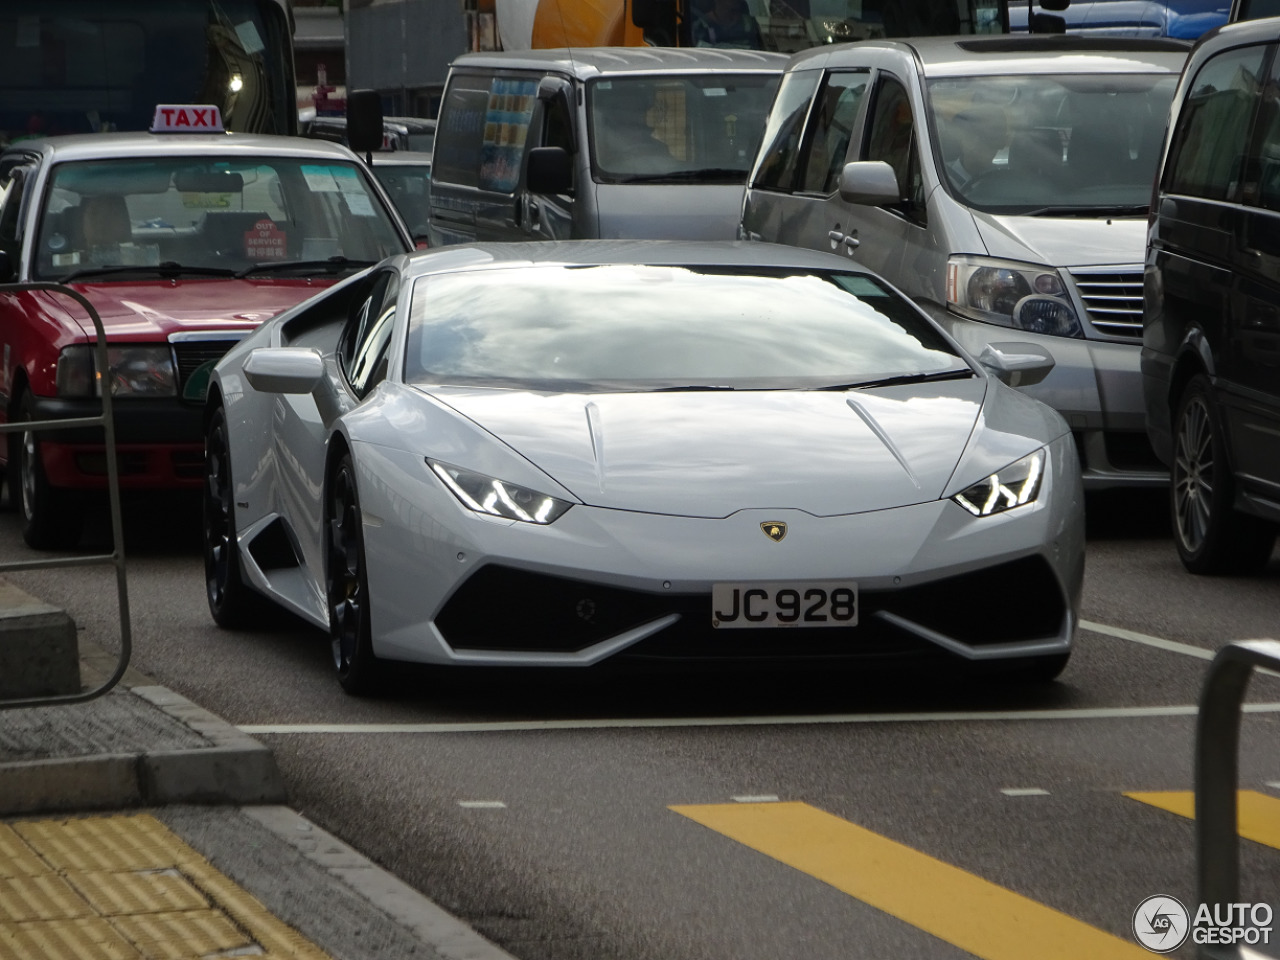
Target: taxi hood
x=710, y=454
x=152, y=310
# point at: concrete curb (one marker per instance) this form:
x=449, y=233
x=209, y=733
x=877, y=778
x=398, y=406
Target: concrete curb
x=234, y=769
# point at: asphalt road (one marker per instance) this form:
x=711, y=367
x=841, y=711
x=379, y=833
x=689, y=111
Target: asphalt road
x=740, y=818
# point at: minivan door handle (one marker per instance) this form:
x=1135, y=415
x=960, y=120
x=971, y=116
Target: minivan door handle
x=850, y=241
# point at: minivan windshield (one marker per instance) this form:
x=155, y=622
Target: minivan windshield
x=628, y=327
x=699, y=128
x=1051, y=145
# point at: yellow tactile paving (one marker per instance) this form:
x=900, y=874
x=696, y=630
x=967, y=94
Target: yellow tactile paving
x=126, y=888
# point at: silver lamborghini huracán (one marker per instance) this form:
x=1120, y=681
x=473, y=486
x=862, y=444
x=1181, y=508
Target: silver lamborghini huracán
x=562, y=454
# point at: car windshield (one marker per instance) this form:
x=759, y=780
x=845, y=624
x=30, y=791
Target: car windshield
x=203, y=214
x=633, y=327
x=675, y=129
x=1069, y=144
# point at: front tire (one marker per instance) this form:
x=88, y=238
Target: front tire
x=231, y=603
x=52, y=519
x=347, y=585
x=1211, y=536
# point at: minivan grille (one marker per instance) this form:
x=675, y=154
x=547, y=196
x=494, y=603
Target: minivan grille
x=1113, y=299
x=194, y=354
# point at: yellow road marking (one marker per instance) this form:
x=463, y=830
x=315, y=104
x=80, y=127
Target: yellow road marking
x=126, y=888
x=1257, y=815
x=976, y=915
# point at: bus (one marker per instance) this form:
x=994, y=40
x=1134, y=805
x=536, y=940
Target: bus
x=785, y=26
x=89, y=66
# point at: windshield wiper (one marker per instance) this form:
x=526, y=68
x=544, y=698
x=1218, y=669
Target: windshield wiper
x=894, y=381
x=167, y=269
x=705, y=174
x=331, y=265
x=692, y=388
x=1113, y=210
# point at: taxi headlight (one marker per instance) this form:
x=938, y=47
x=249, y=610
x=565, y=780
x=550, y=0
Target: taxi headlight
x=497, y=498
x=143, y=371
x=1017, y=295
x=1015, y=485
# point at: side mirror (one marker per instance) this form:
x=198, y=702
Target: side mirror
x=549, y=170
x=364, y=121
x=284, y=369
x=871, y=183
x=1017, y=364
x=1046, y=23
x=1055, y=5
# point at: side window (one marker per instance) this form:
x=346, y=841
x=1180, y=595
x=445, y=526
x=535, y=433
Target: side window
x=11, y=187
x=830, y=130
x=363, y=350
x=506, y=129
x=892, y=139
x=1207, y=151
x=557, y=129
x=779, y=156
x=1262, y=164
x=460, y=131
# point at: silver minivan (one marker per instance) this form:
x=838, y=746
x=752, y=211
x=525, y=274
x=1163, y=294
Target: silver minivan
x=642, y=142
x=1001, y=182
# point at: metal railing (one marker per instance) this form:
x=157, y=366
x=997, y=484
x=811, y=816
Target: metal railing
x=105, y=420
x=1217, y=776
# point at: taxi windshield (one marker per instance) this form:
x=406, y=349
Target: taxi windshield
x=627, y=327
x=1068, y=144
x=197, y=215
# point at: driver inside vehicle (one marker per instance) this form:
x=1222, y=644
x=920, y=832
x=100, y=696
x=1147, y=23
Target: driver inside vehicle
x=973, y=138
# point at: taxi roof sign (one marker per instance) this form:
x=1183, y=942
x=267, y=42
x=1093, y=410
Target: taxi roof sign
x=187, y=118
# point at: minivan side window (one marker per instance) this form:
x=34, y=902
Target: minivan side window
x=780, y=157
x=460, y=131
x=830, y=131
x=1207, y=153
x=1262, y=166
x=892, y=139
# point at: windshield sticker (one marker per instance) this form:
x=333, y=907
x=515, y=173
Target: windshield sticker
x=206, y=201
x=250, y=39
x=320, y=179
x=359, y=205
x=266, y=242
x=66, y=259
x=346, y=179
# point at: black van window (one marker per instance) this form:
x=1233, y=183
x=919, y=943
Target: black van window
x=1262, y=166
x=780, y=158
x=830, y=131
x=1209, y=144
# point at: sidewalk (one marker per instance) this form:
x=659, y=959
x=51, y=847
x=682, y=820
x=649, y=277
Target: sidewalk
x=139, y=826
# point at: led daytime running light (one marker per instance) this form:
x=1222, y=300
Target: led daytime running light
x=1015, y=485
x=497, y=498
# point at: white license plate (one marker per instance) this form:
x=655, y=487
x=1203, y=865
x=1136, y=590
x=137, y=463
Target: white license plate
x=820, y=603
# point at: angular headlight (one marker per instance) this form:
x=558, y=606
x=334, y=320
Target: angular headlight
x=132, y=372
x=1011, y=487
x=497, y=498
x=1017, y=295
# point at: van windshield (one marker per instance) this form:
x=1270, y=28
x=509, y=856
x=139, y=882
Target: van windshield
x=1053, y=145
x=703, y=128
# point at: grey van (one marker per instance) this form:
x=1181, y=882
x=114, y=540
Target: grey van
x=1211, y=340
x=1002, y=183
x=598, y=143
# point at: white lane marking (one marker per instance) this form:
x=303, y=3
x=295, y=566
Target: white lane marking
x=526, y=726
x=482, y=804
x=756, y=798
x=1173, y=646
x=1024, y=792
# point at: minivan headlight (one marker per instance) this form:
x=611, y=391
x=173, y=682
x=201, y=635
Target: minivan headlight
x=498, y=498
x=141, y=371
x=1015, y=485
x=1017, y=295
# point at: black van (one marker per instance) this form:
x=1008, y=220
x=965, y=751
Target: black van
x=1211, y=324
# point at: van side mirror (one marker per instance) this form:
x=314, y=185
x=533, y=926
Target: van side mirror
x=870, y=183
x=549, y=170
x=1057, y=6
x=364, y=121
x=1018, y=364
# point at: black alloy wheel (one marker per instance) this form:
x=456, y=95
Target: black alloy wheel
x=52, y=519
x=1211, y=536
x=346, y=584
x=231, y=603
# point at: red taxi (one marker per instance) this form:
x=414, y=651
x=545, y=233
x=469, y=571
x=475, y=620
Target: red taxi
x=183, y=242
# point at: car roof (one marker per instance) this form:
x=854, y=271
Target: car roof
x=481, y=256
x=1016, y=53
x=1237, y=32
x=107, y=146
x=401, y=158
x=586, y=62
